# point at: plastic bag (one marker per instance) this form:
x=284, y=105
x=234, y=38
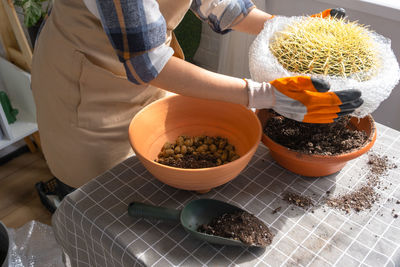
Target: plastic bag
x=33, y=245
x=265, y=67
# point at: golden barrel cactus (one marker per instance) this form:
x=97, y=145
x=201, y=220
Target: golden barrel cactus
x=330, y=46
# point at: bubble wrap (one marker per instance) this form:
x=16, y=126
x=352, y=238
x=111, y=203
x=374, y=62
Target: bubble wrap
x=32, y=245
x=264, y=67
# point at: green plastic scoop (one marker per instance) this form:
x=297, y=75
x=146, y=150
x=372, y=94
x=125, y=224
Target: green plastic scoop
x=194, y=214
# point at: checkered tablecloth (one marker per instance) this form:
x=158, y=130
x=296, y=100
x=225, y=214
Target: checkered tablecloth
x=93, y=226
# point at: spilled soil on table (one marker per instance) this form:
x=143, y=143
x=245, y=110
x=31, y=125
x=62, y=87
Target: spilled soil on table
x=298, y=200
x=365, y=196
x=359, y=199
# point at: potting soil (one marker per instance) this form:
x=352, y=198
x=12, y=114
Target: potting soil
x=365, y=196
x=241, y=226
x=194, y=152
x=298, y=200
x=360, y=198
x=192, y=161
x=320, y=139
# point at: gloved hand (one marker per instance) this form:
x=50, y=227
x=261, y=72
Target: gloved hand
x=332, y=12
x=303, y=99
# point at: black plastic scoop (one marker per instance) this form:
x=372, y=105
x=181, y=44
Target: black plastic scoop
x=195, y=213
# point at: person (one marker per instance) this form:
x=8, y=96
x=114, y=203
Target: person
x=97, y=63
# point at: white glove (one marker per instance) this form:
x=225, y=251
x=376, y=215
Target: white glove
x=302, y=98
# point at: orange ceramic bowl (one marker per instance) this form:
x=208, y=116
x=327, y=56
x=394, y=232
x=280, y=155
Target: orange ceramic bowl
x=316, y=165
x=165, y=119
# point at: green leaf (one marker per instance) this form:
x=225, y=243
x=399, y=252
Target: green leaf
x=19, y=3
x=33, y=12
x=188, y=34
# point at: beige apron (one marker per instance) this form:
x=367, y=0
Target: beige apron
x=84, y=100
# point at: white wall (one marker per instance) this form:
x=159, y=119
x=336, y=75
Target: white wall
x=233, y=48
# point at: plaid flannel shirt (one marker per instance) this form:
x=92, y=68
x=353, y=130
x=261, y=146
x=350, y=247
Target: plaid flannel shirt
x=137, y=30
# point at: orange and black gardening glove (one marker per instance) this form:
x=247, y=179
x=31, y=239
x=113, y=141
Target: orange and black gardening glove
x=303, y=99
x=332, y=12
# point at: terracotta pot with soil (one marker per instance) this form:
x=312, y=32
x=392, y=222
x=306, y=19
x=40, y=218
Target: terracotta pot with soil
x=176, y=116
x=316, y=150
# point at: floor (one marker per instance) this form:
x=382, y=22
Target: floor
x=19, y=201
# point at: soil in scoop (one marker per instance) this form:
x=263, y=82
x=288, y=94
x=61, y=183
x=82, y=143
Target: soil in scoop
x=241, y=226
x=322, y=139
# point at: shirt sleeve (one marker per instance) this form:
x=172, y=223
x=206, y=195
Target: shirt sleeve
x=137, y=32
x=221, y=14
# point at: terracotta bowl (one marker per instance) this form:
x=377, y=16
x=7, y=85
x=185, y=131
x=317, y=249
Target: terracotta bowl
x=316, y=165
x=164, y=120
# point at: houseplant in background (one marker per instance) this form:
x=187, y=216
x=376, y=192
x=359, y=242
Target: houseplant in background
x=34, y=11
x=188, y=34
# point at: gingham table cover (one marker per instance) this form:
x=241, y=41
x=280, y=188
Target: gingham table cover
x=94, y=229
